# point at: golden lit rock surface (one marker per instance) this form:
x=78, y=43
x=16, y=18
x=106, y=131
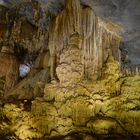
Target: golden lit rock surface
x=107, y=106
x=75, y=89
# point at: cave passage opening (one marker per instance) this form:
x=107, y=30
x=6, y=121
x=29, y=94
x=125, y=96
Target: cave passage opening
x=26, y=59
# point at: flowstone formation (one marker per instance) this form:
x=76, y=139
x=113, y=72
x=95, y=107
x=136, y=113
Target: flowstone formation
x=75, y=89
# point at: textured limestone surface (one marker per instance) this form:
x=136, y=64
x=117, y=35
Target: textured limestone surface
x=70, y=70
x=95, y=109
x=77, y=88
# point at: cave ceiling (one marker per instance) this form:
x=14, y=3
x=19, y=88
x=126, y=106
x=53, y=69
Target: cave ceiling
x=124, y=12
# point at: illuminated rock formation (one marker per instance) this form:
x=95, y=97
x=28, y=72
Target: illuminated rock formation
x=71, y=70
x=100, y=39
x=75, y=89
x=9, y=67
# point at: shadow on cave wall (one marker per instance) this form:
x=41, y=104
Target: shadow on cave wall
x=27, y=60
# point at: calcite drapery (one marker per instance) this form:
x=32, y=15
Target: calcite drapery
x=99, y=38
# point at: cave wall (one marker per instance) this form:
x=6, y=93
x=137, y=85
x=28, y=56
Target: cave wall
x=18, y=31
x=99, y=39
x=75, y=89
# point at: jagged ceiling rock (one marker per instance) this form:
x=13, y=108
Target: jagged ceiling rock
x=126, y=13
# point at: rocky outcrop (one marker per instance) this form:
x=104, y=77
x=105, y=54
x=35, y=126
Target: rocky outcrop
x=74, y=107
x=32, y=86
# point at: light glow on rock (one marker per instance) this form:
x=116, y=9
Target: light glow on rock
x=24, y=70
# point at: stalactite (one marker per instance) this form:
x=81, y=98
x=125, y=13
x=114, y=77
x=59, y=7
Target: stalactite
x=99, y=44
x=73, y=10
x=87, y=22
x=95, y=49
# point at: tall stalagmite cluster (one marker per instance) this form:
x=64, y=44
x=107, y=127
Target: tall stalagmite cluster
x=100, y=39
